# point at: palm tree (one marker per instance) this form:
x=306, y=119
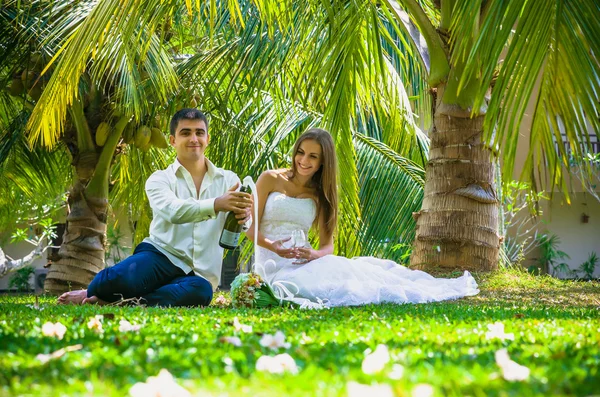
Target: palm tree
x=292, y=76
x=351, y=67
x=106, y=66
x=479, y=105
x=480, y=61
x=32, y=33
x=353, y=61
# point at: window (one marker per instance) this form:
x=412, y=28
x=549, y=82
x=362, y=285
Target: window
x=593, y=147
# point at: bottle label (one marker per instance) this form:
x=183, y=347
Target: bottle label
x=230, y=238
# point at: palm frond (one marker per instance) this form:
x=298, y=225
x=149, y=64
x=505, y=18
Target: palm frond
x=111, y=38
x=419, y=20
x=553, y=45
x=34, y=180
x=464, y=28
x=392, y=121
x=479, y=38
x=410, y=71
x=551, y=59
x=391, y=189
x=127, y=193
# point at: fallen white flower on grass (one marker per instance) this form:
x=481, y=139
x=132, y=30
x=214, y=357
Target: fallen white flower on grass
x=304, y=339
x=232, y=340
x=163, y=385
x=126, y=326
x=511, y=371
x=274, y=342
x=279, y=364
x=496, y=330
x=95, y=324
x=376, y=361
x=422, y=390
x=229, y=365
x=54, y=329
x=397, y=372
x=221, y=301
x=44, y=358
x=241, y=327
x=355, y=389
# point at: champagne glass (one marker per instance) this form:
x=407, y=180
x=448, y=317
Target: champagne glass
x=291, y=243
x=299, y=239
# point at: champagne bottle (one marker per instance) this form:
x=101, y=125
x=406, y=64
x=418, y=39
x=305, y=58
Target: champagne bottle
x=230, y=236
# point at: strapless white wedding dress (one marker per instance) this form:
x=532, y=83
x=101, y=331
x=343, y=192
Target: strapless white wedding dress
x=338, y=281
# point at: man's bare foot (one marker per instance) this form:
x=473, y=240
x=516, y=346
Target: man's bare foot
x=94, y=300
x=73, y=297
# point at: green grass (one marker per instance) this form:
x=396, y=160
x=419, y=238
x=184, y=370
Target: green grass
x=556, y=325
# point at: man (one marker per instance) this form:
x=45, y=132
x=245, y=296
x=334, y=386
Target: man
x=179, y=264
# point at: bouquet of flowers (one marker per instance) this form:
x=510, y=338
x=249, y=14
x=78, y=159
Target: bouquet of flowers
x=250, y=290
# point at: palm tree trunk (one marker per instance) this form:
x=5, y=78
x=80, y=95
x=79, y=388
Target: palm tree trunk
x=84, y=241
x=457, y=226
x=82, y=251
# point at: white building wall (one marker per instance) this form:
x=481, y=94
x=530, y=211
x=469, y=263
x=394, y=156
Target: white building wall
x=577, y=239
x=18, y=251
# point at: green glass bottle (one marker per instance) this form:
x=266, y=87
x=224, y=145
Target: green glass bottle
x=230, y=236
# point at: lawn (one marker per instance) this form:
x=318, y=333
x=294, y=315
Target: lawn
x=426, y=349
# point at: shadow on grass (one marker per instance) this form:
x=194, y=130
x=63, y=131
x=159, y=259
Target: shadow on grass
x=570, y=297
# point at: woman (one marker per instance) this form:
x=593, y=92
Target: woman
x=290, y=202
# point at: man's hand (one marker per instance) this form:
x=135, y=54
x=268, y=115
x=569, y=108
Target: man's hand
x=238, y=202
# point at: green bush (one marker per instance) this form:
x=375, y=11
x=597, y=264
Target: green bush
x=589, y=266
x=20, y=279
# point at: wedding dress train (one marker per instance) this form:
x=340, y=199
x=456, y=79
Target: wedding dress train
x=338, y=281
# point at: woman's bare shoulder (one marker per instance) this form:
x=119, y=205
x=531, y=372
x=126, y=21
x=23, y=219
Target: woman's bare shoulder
x=275, y=176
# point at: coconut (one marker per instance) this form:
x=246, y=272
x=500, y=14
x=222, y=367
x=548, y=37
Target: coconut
x=36, y=59
x=142, y=136
x=16, y=87
x=36, y=92
x=102, y=133
x=145, y=148
x=158, y=139
x=28, y=77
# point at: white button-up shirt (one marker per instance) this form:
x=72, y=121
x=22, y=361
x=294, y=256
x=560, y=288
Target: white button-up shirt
x=185, y=227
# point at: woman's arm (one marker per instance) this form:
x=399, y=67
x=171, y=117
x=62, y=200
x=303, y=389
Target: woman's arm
x=266, y=184
x=325, y=244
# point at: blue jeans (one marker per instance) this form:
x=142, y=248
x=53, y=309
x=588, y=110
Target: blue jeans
x=150, y=275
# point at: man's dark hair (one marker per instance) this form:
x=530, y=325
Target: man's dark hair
x=186, y=114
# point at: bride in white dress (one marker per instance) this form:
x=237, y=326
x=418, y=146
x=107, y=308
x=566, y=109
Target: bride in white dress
x=305, y=196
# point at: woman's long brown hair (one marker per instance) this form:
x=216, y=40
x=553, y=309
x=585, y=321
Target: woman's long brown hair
x=325, y=179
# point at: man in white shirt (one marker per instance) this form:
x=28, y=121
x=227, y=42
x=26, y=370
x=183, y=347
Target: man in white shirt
x=179, y=264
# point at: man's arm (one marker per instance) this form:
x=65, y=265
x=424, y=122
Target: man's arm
x=164, y=201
